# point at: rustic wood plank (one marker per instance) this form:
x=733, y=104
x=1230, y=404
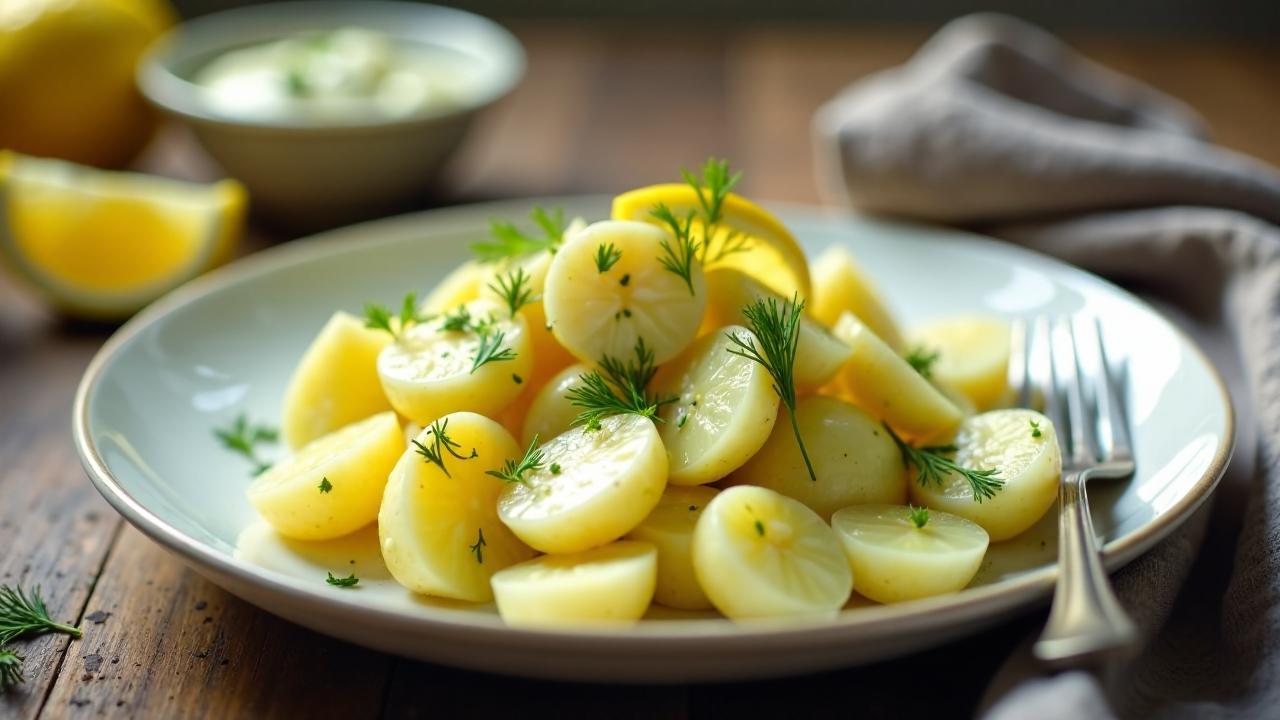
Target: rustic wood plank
x=175, y=645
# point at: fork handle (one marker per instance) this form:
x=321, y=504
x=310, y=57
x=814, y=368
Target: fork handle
x=1086, y=621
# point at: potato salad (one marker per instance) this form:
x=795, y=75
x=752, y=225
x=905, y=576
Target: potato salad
x=671, y=405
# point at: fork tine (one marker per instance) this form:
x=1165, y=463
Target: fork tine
x=1111, y=407
x=1019, y=362
x=1084, y=446
x=1043, y=371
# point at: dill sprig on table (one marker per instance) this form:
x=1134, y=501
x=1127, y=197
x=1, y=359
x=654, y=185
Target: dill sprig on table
x=933, y=465
x=22, y=614
x=10, y=669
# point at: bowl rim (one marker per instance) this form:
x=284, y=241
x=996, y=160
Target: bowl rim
x=167, y=90
x=972, y=604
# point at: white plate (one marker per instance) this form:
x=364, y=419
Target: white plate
x=226, y=344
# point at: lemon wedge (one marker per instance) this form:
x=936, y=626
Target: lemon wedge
x=103, y=244
x=772, y=256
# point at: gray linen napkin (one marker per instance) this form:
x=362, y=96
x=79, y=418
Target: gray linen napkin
x=997, y=126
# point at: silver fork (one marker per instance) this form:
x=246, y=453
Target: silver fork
x=1086, y=622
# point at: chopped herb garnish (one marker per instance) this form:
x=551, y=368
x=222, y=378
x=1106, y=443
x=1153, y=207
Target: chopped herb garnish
x=919, y=516
x=626, y=280
x=922, y=360
x=379, y=317
x=776, y=324
x=933, y=465
x=619, y=390
x=325, y=485
x=490, y=349
x=515, y=287
x=516, y=379
x=759, y=528
x=478, y=547
x=243, y=437
x=684, y=418
x=677, y=258
x=514, y=470
x=457, y=321
x=555, y=468
x=607, y=255
x=22, y=614
x=348, y=581
x=440, y=444
x=1035, y=429
x=509, y=241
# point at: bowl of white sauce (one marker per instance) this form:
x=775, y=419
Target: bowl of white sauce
x=331, y=111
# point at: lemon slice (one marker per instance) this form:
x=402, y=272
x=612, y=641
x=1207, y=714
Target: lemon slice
x=973, y=356
x=336, y=382
x=431, y=371
x=595, y=313
x=840, y=285
x=333, y=485
x=551, y=413
x=103, y=244
x=1023, y=444
x=438, y=526
x=819, y=355
x=774, y=257
x=758, y=553
x=605, y=585
x=670, y=529
x=854, y=458
x=593, y=487
x=893, y=559
x=724, y=409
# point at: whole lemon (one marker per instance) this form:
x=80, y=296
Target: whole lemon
x=66, y=77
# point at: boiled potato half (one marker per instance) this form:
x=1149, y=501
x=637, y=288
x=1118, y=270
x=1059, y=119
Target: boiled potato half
x=595, y=312
x=724, y=409
x=609, y=585
x=438, y=523
x=973, y=356
x=1023, y=444
x=336, y=382
x=333, y=485
x=593, y=486
x=840, y=285
x=904, y=553
x=551, y=412
x=669, y=528
x=855, y=459
x=758, y=553
x=432, y=370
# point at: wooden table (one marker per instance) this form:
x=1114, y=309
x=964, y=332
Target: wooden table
x=603, y=108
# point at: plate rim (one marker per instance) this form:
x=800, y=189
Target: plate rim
x=971, y=603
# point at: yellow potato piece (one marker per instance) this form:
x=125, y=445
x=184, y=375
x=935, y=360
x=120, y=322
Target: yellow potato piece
x=725, y=407
x=840, y=285
x=608, y=481
x=459, y=287
x=551, y=413
x=894, y=560
x=352, y=462
x=594, y=314
x=819, y=355
x=885, y=385
x=549, y=356
x=438, y=526
x=429, y=371
x=609, y=585
x=670, y=529
x=973, y=356
x=336, y=382
x=1030, y=466
x=853, y=456
x=758, y=553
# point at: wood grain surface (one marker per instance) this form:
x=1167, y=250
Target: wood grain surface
x=602, y=108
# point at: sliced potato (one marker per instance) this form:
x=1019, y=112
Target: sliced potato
x=670, y=529
x=594, y=313
x=430, y=372
x=758, y=553
x=333, y=485
x=893, y=559
x=594, y=486
x=1030, y=466
x=819, y=355
x=840, y=285
x=336, y=382
x=612, y=584
x=724, y=410
x=885, y=385
x=973, y=356
x=853, y=456
x=438, y=523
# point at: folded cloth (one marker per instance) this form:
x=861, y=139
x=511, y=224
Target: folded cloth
x=998, y=126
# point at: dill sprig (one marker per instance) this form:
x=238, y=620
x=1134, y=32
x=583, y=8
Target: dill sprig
x=490, y=348
x=380, y=317
x=515, y=287
x=243, y=437
x=922, y=360
x=919, y=516
x=514, y=470
x=510, y=241
x=457, y=320
x=478, y=547
x=348, y=581
x=677, y=258
x=619, y=390
x=712, y=189
x=933, y=465
x=441, y=443
x=10, y=669
x=21, y=614
x=776, y=324
x=607, y=255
